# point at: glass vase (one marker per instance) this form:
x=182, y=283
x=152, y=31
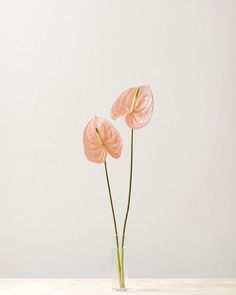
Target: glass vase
x=119, y=264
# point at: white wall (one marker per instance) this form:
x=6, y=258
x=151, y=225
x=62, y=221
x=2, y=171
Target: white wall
x=61, y=62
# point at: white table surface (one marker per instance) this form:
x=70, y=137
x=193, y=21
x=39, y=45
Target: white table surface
x=103, y=286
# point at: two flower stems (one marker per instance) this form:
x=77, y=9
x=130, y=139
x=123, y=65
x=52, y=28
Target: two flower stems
x=115, y=227
x=120, y=257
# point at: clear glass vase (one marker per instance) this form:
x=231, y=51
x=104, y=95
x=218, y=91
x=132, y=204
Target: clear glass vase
x=119, y=264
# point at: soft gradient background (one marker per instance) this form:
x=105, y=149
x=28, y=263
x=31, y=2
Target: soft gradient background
x=61, y=62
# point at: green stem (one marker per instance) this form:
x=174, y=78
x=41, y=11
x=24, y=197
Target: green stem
x=115, y=226
x=128, y=205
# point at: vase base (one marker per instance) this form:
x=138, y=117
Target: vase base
x=119, y=289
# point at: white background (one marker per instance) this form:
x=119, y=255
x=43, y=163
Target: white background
x=61, y=63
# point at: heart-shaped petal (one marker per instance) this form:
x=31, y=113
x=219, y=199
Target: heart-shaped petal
x=101, y=138
x=136, y=105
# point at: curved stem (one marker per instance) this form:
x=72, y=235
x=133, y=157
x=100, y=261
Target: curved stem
x=115, y=226
x=128, y=205
x=130, y=186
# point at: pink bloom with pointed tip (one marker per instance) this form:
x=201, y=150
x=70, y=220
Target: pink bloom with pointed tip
x=136, y=105
x=100, y=139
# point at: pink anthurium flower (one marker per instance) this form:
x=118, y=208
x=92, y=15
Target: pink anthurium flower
x=136, y=105
x=100, y=139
